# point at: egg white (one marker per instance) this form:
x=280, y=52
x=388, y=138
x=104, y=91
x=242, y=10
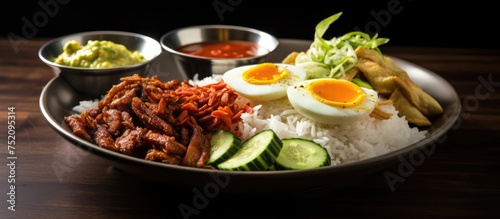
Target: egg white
x=320, y=112
x=262, y=92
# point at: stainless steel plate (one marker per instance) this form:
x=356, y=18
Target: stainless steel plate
x=58, y=98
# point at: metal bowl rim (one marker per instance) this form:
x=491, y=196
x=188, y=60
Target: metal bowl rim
x=100, y=70
x=219, y=26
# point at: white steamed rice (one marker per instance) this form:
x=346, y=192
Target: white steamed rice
x=362, y=139
x=85, y=104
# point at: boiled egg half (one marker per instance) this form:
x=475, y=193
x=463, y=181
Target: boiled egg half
x=263, y=82
x=332, y=101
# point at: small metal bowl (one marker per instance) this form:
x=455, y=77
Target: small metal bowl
x=191, y=65
x=96, y=82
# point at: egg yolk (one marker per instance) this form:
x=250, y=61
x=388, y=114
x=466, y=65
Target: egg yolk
x=265, y=73
x=337, y=93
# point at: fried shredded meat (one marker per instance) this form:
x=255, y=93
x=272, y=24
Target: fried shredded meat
x=168, y=122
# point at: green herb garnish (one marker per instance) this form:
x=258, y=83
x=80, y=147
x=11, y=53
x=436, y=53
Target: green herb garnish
x=333, y=58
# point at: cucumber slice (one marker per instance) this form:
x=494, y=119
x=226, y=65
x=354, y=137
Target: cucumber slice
x=223, y=145
x=298, y=154
x=257, y=153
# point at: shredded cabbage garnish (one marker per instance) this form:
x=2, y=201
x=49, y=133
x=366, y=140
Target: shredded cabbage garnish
x=333, y=58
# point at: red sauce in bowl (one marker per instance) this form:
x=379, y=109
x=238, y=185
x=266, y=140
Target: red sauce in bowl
x=227, y=49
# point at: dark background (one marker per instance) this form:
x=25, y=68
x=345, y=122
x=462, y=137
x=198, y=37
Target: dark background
x=404, y=22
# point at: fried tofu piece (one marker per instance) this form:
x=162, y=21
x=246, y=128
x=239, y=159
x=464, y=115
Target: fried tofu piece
x=379, y=78
x=388, y=78
x=371, y=55
x=290, y=58
x=405, y=108
x=424, y=102
x=384, y=62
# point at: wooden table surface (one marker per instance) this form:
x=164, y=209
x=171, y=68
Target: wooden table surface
x=54, y=179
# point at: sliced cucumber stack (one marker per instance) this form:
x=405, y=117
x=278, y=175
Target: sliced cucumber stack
x=298, y=154
x=223, y=145
x=257, y=153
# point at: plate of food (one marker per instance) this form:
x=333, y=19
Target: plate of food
x=307, y=125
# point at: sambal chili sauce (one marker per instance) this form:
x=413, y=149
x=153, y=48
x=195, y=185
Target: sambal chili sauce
x=228, y=49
